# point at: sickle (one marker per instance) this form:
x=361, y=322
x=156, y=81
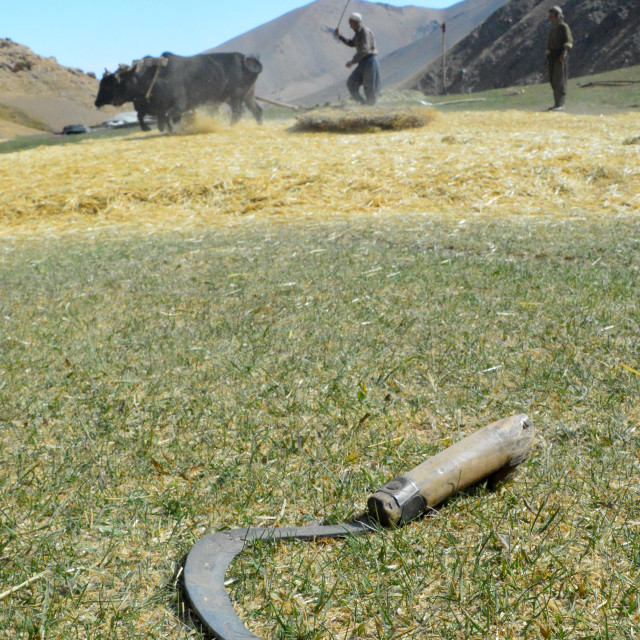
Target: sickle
x=209, y=558
x=492, y=453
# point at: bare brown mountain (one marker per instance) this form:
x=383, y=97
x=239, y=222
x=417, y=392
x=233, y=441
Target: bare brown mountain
x=303, y=62
x=39, y=94
x=508, y=48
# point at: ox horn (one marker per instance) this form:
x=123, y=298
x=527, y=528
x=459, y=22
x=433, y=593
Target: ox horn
x=121, y=69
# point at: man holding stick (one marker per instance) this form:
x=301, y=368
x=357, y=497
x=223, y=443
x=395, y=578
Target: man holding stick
x=366, y=73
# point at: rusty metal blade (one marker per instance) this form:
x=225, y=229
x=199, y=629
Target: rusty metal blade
x=209, y=558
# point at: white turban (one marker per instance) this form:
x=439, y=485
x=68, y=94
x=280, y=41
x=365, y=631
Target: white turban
x=355, y=17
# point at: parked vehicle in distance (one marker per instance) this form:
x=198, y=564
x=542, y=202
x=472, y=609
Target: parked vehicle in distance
x=72, y=129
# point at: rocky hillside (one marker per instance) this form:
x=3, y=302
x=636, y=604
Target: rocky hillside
x=302, y=61
x=508, y=48
x=38, y=94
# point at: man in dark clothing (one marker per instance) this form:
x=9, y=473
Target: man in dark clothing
x=557, y=57
x=366, y=73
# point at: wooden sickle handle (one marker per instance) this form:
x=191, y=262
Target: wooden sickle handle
x=493, y=452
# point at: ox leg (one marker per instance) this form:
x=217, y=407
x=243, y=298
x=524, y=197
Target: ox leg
x=167, y=121
x=236, y=109
x=253, y=106
x=143, y=125
x=174, y=115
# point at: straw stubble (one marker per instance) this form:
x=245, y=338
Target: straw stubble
x=505, y=164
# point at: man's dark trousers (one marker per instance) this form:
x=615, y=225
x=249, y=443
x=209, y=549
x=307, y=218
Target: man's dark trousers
x=558, y=75
x=366, y=75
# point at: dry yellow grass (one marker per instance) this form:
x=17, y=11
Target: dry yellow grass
x=495, y=164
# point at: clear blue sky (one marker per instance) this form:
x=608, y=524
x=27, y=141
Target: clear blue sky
x=91, y=35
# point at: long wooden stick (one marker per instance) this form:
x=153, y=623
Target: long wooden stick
x=26, y=583
x=279, y=104
x=438, y=104
x=343, y=12
x=608, y=83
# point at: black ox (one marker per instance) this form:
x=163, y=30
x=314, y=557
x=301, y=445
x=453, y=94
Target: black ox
x=168, y=86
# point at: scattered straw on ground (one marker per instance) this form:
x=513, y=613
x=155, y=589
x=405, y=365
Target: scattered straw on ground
x=365, y=120
x=464, y=164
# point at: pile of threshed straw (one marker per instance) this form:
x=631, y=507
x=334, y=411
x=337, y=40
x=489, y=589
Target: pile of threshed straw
x=365, y=119
x=500, y=165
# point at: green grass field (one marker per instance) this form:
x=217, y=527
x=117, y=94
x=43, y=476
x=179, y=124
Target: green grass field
x=581, y=99
x=157, y=387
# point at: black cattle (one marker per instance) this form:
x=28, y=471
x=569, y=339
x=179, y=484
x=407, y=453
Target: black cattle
x=168, y=86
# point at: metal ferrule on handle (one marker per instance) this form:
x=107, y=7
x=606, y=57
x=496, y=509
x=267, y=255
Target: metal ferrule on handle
x=493, y=453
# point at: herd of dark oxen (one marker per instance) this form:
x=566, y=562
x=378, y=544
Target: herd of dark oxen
x=169, y=86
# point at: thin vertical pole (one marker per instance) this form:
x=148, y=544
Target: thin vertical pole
x=444, y=62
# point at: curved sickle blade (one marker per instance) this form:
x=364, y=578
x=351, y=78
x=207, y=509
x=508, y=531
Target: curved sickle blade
x=209, y=558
